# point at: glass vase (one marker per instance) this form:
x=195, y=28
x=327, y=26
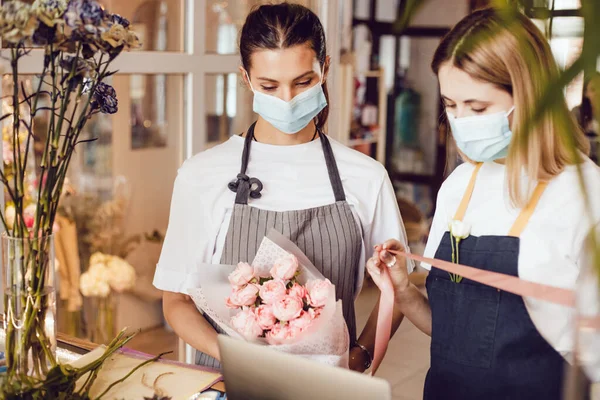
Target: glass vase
x=103, y=319
x=29, y=299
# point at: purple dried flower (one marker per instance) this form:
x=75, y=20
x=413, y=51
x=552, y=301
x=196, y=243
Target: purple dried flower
x=84, y=12
x=117, y=19
x=104, y=99
x=78, y=65
x=44, y=35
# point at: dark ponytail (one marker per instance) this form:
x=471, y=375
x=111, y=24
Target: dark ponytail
x=280, y=26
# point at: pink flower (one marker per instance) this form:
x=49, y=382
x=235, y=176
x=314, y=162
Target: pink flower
x=246, y=324
x=245, y=296
x=285, y=268
x=318, y=292
x=303, y=321
x=266, y=318
x=243, y=274
x=272, y=291
x=288, y=308
x=278, y=334
x=298, y=291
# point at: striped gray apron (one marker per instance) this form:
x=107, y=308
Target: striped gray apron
x=328, y=235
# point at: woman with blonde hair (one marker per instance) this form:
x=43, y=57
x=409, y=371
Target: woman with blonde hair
x=520, y=208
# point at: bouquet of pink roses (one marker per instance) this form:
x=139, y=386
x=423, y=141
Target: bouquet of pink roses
x=280, y=300
x=276, y=306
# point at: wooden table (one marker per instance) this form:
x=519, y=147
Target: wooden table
x=81, y=346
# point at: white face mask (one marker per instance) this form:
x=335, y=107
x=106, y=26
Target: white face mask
x=290, y=116
x=482, y=137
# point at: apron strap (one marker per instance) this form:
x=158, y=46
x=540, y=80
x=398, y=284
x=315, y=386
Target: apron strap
x=464, y=203
x=244, y=186
x=332, y=169
x=525, y=214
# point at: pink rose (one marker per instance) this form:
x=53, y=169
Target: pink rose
x=303, y=321
x=243, y=274
x=245, y=296
x=285, y=268
x=278, y=334
x=298, y=291
x=318, y=292
x=246, y=324
x=288, y=308
x=266, y=318
x=272, y=291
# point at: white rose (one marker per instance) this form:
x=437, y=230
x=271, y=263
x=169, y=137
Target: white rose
x=460, y=229
x=91, y=286
x=100, y=272
x=99, y=258
x=121, y=276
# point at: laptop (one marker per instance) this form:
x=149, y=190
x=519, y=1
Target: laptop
x=254, y=372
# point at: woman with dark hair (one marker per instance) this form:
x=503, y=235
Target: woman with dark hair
x=588, y=113
x=333, y=202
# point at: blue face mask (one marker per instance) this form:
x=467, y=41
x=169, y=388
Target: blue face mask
x=482, y=137
x=290, y=116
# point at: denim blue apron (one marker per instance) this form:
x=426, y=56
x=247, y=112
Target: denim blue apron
x=484, y=344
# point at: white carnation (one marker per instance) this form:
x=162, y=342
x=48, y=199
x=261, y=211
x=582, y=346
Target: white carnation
x=100, y=272
x=91, y=286
x=99, y=258
x=122, y=274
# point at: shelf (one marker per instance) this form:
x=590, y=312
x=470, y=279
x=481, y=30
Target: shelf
x=358, y=142
x=371, y=74
x=412, y=178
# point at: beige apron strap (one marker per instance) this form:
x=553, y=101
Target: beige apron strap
x=527, y=212
x=462, y=208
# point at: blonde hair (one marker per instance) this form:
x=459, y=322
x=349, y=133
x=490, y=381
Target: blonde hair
x=516, y=57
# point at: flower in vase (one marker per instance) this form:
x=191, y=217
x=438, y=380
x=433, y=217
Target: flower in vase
x=121, y=275
x=49, y=12
x=80, y=67
x=99, y=258
x=115, y=35
x=29, y=215
x=17, y=21
x=88, y=14
x=119, y=20
x=93, y=285
x=104, y=99
x=100, y=272
x=44, y=35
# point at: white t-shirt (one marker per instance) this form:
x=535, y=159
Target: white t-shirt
x=551, y=246
x=294, y=178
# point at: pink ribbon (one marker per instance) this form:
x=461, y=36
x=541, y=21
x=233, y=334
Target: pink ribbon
x=507, y=283
x=384, y=319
